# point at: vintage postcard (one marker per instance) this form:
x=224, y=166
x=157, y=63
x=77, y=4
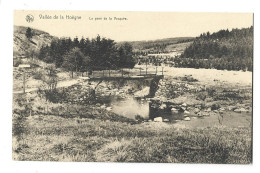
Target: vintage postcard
x=156, y=87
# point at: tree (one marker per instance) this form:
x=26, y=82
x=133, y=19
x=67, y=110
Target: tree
x=73, y=60
x=29, y=33
x=126, y=56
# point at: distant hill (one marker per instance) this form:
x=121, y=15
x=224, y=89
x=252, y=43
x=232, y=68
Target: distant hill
x=21, y=45
x=157, y=46
x=231, y=50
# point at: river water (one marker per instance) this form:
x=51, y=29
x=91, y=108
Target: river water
x=145, y=109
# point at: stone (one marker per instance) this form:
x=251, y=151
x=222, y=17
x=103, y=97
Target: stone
x=240, y=110
x=109, y=109
x=205, y=114
x=208, y=110
x=183, y=108
x=196, y=110
x=166, y=120
x=163, y=106
x=158, y=119
x=187, y=119
x=222, y=109
x=98, y=104
x=103, y=107
x=185, y=115
x=184, y=104
x=186, y=112
x=174, y=110
x=200, y=114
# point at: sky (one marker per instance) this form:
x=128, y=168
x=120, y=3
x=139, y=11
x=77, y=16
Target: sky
x=133, y=26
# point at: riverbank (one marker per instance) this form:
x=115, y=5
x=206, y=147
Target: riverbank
x=214, y=126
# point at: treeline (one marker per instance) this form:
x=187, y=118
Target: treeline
x=231, y=50
x=87, y=55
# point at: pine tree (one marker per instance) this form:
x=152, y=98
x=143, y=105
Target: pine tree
x=29, y=33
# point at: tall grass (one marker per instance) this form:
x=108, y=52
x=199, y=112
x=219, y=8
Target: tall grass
x=50, y=138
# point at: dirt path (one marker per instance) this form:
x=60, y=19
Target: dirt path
x=60, y=84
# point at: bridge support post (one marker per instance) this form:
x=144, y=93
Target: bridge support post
x=162, y=70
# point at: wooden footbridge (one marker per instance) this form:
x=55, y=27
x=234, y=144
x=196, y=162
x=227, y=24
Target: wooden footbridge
x=127, y=74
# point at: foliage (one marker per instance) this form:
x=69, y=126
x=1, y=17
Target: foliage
x=29, y=33
x=231, y=50
x=50, y=80
x=17, y=62
x=96, y=54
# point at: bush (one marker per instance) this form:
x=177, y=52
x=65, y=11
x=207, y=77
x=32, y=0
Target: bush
x=38, y=75
x=17, y=62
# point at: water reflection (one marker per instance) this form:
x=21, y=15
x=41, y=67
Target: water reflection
x=142, y=109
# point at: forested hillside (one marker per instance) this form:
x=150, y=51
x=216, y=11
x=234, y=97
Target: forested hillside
x=157, y=46
x=87, y=55
x=231, y=50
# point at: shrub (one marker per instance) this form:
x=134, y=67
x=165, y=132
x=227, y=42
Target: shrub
x=17, y=62
x=38, y=75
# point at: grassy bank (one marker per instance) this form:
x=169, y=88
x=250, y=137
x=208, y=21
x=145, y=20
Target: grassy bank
x=54, y=138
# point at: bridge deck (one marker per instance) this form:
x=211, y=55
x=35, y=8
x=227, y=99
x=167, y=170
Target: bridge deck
x=129, y=74
x=125, y=77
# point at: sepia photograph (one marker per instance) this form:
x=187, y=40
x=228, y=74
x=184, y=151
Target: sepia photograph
x=142, y=87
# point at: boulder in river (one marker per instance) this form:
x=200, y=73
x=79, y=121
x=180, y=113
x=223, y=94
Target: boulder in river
x=184, y=104
x=196, y=110
x=163, y=106
x=109, y=109
x=166, y=120
x=186, y=112
x=158, y=119
x=174, y=110
x=186, y=119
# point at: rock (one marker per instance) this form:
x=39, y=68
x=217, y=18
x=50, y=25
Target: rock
x=183, y=108
x=166, y=120
x=109, y=109
x=174, y=110
x=98, y=104
x=184, y=104
x=205, y=114
x=208, y=110
x=187, y=119
x=200, y=114
x=222, y=109
x=150, y=120
x=185, y=115
x=186, y=112
x=196, y=110
x=163, y=106
x=158, y=119
x=103, y=106
x=240, y=110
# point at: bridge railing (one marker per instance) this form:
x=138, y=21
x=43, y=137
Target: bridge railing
x=127, y=72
